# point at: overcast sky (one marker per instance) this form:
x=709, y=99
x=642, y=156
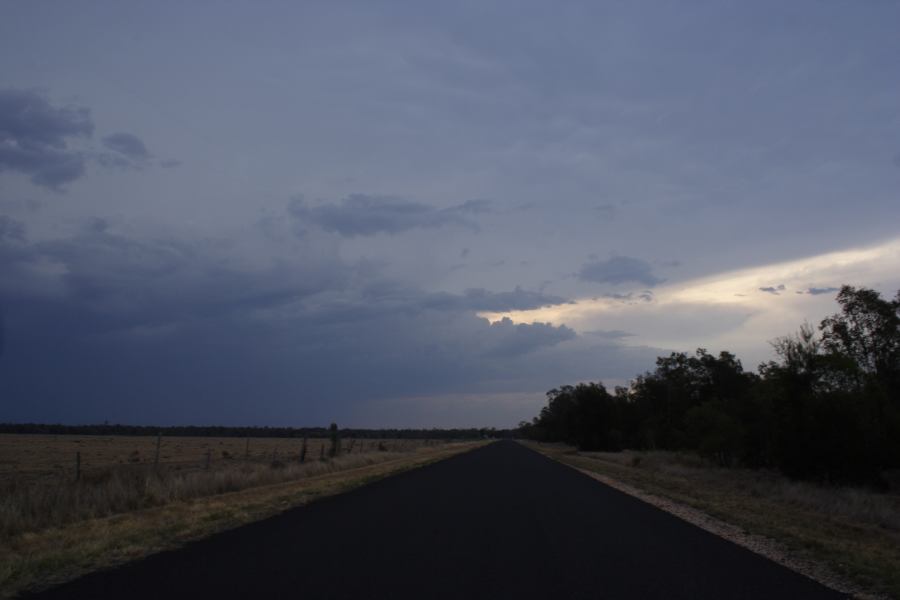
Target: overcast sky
x=423, y=213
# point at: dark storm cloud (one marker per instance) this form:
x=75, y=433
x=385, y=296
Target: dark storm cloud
x=510, y=339
x=128, y=145
x=364, y=215
x=176, y=323
x=11, y=229
x=647, y=131
x=132, y=282
x=12, y=233
x=619, y=269
x=817, y=291
x=632, y=297
x=34, y=138
x=479, y=299
x=773, y=289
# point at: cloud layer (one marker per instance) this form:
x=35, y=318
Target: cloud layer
x=128, y=145
x=160, y=312
x=35, y=137
x=364, y=215
x=51, y=144
x=617, y=179
x=619, y=269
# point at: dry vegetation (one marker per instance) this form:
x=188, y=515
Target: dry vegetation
x=40, y=455
x=53, y=527
x=849, y=537
x=119, y=473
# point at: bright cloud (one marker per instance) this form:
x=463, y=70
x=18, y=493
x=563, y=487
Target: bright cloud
x=738, y=310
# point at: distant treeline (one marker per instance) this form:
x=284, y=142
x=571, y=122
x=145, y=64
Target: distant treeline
x=827, y=409
x=274, y=432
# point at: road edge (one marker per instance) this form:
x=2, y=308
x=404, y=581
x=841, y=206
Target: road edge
x=764, y=546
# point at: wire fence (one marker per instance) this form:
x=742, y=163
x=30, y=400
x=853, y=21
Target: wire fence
x=47, y=483
x=37, y=456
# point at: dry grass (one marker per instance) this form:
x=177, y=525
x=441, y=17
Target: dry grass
x=28, y=505
x=56, y=529
x=27, y=455
x=848, y=537
x=116, y=477
x=857, y=504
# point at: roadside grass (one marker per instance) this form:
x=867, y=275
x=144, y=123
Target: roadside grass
x=39, y=558
x=846, y=537
x=42, y=455
x=29, y=504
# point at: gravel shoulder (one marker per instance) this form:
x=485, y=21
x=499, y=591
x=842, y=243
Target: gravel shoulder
x=854, y=549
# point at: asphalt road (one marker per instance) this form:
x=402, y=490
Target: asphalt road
x=499, y=522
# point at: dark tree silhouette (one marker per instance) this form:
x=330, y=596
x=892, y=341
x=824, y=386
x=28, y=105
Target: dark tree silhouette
x=828, y=408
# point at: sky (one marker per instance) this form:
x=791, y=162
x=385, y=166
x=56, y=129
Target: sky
x=424, y=214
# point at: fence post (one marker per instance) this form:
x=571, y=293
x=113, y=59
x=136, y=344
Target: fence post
x=335, y=435
x=77, y=465
x=247, y=450
x=303, y=452
x=156, y=458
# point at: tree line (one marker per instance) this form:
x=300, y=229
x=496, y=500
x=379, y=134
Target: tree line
x=828, y=408
x=268, y=432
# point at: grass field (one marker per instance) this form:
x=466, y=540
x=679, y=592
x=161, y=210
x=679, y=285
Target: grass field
x=846, y=537
x=25, y=455
x=53, y=528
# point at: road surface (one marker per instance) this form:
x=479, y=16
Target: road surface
x=499, y=522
